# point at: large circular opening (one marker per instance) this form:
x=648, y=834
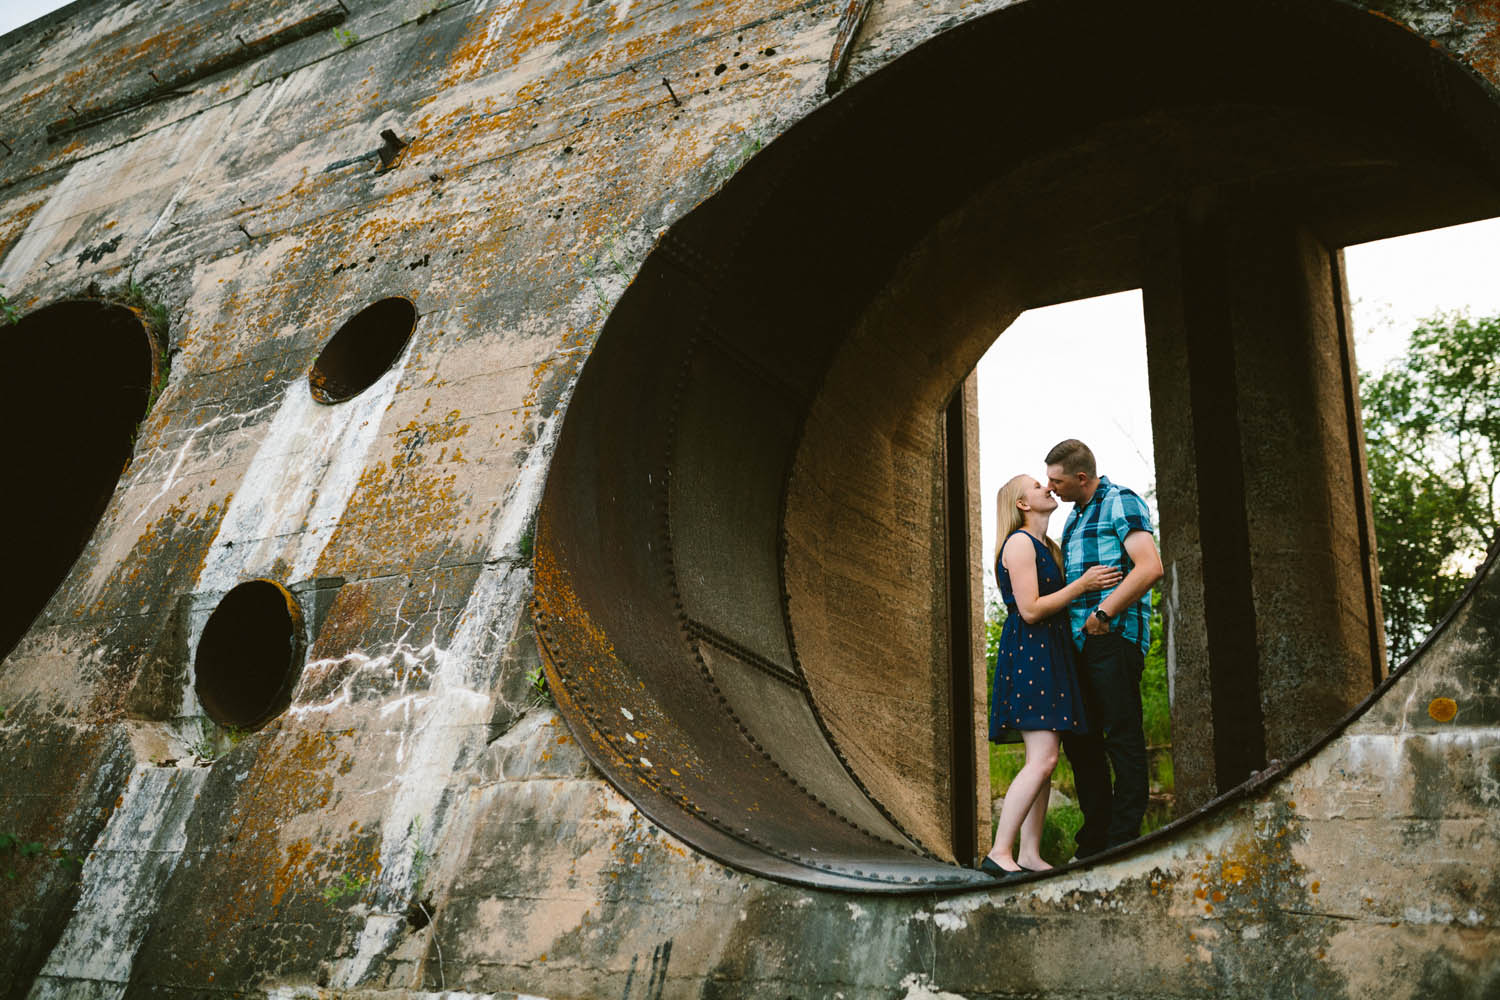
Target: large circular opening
x=250, y=655
x=362, y=350
x=75, y=385
x=748, y=594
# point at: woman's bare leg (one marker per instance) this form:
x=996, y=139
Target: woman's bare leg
x=1034, y=777
x=1030, y=854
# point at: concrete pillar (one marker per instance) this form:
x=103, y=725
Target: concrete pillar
x=970, y=772
x=1274, y=622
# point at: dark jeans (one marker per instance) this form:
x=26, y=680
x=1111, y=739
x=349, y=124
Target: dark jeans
x=1110, y=673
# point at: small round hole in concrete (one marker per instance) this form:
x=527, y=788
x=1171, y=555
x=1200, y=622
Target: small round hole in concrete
x=362, y=350
x=250, y=655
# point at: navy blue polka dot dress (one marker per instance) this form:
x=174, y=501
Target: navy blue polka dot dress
x=1036, y=679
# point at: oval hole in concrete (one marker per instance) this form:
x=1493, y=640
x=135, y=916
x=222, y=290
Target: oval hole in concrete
x=250, y=655
x=362, y=350
x=74, y=387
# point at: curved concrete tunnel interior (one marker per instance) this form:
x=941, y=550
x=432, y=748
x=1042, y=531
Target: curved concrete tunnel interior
x=745, y=592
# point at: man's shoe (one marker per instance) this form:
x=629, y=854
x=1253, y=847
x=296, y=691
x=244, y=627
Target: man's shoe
x=1084, y=853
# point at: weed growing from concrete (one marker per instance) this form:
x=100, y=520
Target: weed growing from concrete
x=9, y=312
x=540, y=693
x=343, y=887
x=345, y=37
x=14, y=847
x=590, y=263
x=135, y=297
x=214, y=741
x=420, y=857
x=754, y=143
x=418, y=913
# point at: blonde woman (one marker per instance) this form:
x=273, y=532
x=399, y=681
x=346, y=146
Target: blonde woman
x=1036, y=697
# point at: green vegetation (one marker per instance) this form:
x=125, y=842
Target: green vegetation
x=419, y=911
x=15, y=848
x=158, y=324
x=591, y=263
x=134, y=296
x=8, y=312
x=1432, y=436
x=345, y=37
x=753, y=143
x=214, y=741
x=1065, y=818
x=540, y=693
x=343, y=887
x=420, y=858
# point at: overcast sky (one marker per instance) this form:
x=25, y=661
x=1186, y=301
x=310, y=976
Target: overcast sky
x=14, y=13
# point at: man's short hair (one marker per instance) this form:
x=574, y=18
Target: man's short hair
x=1074, y=456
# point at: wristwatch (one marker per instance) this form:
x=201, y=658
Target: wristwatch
x=1102, y=615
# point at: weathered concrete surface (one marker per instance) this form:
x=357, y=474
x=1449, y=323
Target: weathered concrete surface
x=546, y=157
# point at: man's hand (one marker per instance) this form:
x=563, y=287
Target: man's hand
x=1094, y=625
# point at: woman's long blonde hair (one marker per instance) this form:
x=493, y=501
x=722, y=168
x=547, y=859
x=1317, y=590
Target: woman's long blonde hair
x=1010, y=518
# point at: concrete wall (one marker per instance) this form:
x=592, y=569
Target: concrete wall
x=413, y=823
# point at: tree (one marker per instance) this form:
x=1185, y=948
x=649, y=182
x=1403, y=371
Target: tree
x=1432, y=432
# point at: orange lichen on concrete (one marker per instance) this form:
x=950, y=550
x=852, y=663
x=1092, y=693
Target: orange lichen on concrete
x=1442, y=709
x=400, y=513
x=1484, y=53
x=166, y=557
x=559, y=605
x=14, y=223
x=1255, y=875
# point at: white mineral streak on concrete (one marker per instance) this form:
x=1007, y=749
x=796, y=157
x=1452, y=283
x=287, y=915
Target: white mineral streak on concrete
x=398, y=662
x=449, y=726
x=64, y=202
x=185, y=141
x=950, y=918
x=1439, y=915
x=181, y=455
x=274, y=92
x=500, y=20
x=1107, y=877
x=295, y=490
x=315, y=993
x=1377, y=754
x=122, y=880
x=919, y=987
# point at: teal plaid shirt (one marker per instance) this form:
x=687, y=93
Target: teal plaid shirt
x=1095, y=533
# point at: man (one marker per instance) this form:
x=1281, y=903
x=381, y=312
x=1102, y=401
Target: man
x=1109, y=525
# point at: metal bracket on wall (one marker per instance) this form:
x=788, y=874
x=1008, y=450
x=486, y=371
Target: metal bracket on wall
x=850, y=21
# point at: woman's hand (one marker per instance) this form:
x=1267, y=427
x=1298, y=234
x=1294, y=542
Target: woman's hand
x=1100, y=577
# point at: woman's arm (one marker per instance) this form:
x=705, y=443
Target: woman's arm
x=1019, y=558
